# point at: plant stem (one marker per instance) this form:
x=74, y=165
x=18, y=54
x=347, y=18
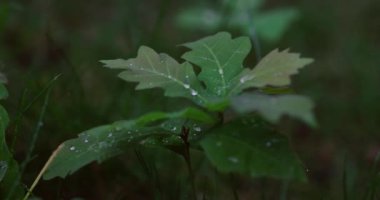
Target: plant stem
x=35, y=134
x=186, y=156
x=284, y=190
x=42, y=172
x=27, y=107
x=234, y=192
x=221, y=117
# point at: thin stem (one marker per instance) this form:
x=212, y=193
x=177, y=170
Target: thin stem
x=36, y=131
x=35, y=182
x=236, y=195
x=221, y=117
x=186, y=156
x=284, y=190
x=35, y=134
x=27, y=107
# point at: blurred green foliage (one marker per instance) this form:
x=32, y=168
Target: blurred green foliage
x=42, y=38
x=242, y=15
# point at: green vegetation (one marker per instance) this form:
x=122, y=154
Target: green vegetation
x=233, y=115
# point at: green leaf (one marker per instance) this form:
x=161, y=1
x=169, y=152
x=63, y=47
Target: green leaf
x=174, y=141
x=248, y=146
x=244, y=5
x=220, y=58
x=103, y=142
x=153, y=70
x=3, y=169
x=3, y=92
x=275, y=69
x=3, y=78
x=271, y=25
x=188, y=113
x=97, y=144
x=203, y=18
x=273, y=108
x=10, y=188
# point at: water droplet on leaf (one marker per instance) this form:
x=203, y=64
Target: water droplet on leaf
x=197, y=129
x=72, y=148
x=233, y=159
x=194, y=93
x=187, y=86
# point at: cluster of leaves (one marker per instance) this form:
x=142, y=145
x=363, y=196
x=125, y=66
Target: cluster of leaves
x=242, y=15
x=247, y=144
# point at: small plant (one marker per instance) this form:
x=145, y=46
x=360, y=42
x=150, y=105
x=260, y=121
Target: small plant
x=243, y=143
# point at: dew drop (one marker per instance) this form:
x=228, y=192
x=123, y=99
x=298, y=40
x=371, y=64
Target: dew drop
x=242, y=80
x=220, y=71
x=174, y=128
x=170, y=76
x=187, y=86
x=233, y=159
x=72, y=148
x=246, y=78
x=194, y=93
x=109, y=134
x=85, y=140
x=198, y=129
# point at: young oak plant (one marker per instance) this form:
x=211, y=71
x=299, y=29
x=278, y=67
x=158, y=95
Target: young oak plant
x=246, y=144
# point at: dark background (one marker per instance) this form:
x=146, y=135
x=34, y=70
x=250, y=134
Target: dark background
x=40, y=39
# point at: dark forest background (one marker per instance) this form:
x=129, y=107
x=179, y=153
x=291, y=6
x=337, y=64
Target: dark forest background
x=40, y=39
